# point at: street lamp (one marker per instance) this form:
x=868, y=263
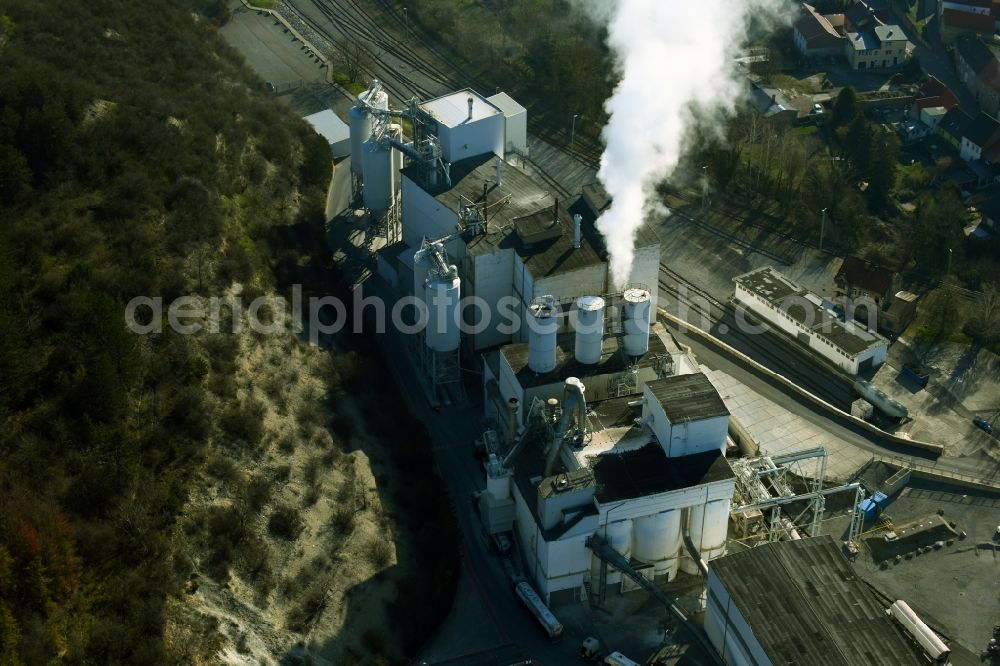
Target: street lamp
x=572, y=133
x=406, y=19
x=822, y=230
x=949, y=261
x=704, y=186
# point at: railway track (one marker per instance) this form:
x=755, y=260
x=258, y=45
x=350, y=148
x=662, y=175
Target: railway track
x=795, y=365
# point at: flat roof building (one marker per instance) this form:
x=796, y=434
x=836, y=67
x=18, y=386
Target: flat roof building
x=802, y=315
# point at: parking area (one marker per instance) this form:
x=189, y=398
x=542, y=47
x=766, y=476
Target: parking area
x=270, y=49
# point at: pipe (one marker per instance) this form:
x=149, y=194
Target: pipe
x=471, y=102
x=577, y=224
x=573, y=400
x=499, y=162
x=512, y=406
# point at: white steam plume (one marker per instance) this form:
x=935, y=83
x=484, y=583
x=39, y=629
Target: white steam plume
x=676, y=61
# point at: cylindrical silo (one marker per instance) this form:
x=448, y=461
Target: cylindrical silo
x=443, y=294
x=396, y=132
x=638, y=309
x=619, y=536
x=377, y=175
x=713, y=539
x=360, y=122
x=542, y=325
x=656, y=540
x=589, y=329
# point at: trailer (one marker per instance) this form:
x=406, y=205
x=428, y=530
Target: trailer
x=618, y=659
x=537, y=607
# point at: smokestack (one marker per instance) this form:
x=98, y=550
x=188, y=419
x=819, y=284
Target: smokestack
x=499, y=164
x=512, y=406
x=574, y=403
x=577, y=223
x=471, y=102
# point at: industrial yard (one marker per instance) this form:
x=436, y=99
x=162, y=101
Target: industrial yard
x=616, y=473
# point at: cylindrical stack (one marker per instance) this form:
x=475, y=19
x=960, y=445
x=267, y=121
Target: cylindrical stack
x=589, y=341
x=377, y=174
x=511, y=428
x=657, y=540
x=361, y=130
x=423, y=261
x=542, y=326
x=395, y=132
x=443, y=294
x=638, y=309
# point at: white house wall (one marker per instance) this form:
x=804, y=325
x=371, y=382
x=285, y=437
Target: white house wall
x=689, y=437
x=492, y=282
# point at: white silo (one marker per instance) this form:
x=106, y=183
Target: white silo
x=708, y=525
x=638, y=310
x=619, y=536
x=377, y=175
x=542, y=326
x=360, y=122
x=589, y=341
x=656, y=540
x=443, y=294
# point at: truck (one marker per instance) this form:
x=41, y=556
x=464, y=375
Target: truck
x=878, y=397
x=537, y=607
x=618, y=659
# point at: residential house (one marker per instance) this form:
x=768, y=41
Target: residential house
x=773, y=105
x=860, y=17
x=883, y=47
x=934, y=93
x=982, y=134
x=952, y=126
x=861, y=279
x=932, y=116
x=815, y=35
x=979, y=69
x=956, y=18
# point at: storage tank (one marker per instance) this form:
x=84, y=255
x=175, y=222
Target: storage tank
x=656, y=540
x=542, y=325
x=716, y=527
x=589, y=341
x=619, y=536
x=443, y=293
x=360, y=122
x=638, y=309
x=377, y=175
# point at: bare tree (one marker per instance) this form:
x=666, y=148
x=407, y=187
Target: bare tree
x=355, y=57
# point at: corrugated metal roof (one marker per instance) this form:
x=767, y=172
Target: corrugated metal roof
x=688, y=397
x=805, y=605
x=329, y=125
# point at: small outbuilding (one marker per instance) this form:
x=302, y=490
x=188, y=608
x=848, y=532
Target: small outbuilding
x=336, y=132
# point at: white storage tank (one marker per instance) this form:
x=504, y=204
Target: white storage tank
x=638, y=309
x=619, y=536
x=713, y=540
x=589, y=342
x=377, y=175
x=360, y=123
x=656, y=540
x=443, y=294
x=543, y=323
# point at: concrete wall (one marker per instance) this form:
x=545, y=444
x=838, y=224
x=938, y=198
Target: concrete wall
x=490, y=280
x=484, y=136
x=689, y=437
x=589, y=280
x=423, y=215
x=516, y=133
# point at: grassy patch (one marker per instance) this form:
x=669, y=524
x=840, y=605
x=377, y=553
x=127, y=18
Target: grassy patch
x=264, y=4
x=806, y=86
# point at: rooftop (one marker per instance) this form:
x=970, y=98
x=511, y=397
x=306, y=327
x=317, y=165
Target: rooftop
x=863, y=41
x=954, y=123
x=861, y=16
x=978, y=22
x=812, y=25
x=613, y=359
x=889, y=33
x=452, y=110
x=806, y=308
x=688, y=397
x=329, y=125
x=861, y=273
x=805, y=605
x=513, y=210
x=505, y=103
x=975, y=53
x=983, y=130
x=648, y=471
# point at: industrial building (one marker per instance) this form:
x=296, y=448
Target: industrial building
x=803, y=315
x=613, y=438
x=452, y=217
x=800, y=602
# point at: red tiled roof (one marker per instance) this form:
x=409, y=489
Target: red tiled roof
x=935, y=93
x=860, y=273
x=954, y=18
x=816, y=29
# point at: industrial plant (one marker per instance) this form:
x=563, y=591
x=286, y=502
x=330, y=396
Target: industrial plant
x=609, y=460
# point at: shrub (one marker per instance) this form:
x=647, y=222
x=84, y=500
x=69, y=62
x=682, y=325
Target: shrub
x=244, y=421
x=258, y=493
x=285, y=522
x=379, y=552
